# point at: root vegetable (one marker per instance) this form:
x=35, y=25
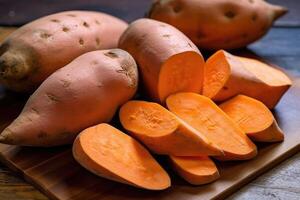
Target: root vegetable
x=255, y=119
x=110, y=153
x=218, y=24
x=205, y=116
x=34, y=51
x=195, y=170
x=162, y=132
x=226, y=76
x=85, y=92
x=168, y=61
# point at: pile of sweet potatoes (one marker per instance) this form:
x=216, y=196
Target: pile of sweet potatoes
x=86, y=66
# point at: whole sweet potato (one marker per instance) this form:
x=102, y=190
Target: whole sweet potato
x=84, y=93
x=33, y=52
x=218, y=24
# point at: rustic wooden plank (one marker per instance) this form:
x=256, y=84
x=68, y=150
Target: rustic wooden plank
x=280, y=183
x=20, y=12
x=292, y=18
x=12, y=187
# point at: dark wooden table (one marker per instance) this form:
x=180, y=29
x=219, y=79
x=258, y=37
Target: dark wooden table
x=281, y=46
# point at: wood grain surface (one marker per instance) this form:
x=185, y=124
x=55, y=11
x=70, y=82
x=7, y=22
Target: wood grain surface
x=15, y=12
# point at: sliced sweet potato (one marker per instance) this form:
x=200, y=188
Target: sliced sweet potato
x=168, y=61
x=206, y=117
x=226, y=75
x=110, y=153
x=162, y=132
x=255, y=119
x=195, y=170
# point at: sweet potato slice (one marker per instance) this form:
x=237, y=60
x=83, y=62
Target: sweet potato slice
x=168, y=61
x=195, y=170
x=226, y=75
x=162, y=132
x=109, y=153
x=255, y=119
x=206, y=117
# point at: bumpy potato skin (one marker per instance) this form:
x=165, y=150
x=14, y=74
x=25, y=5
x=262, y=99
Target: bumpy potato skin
x=34, y=51
x=85, y=92
x=218, y=24
x=152, y=43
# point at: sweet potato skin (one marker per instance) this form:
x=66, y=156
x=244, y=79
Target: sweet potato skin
x=34, y=51
x=152, y=44
x=83, y=93
x=218, y=24
x=241, y=80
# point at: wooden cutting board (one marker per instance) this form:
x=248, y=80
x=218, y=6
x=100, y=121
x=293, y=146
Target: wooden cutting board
x=55, y=172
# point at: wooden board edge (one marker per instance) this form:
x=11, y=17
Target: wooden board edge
x=261, y=171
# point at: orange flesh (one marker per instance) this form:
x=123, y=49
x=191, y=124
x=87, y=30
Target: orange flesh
x=250, y=114
x=113, y=151
x=216, y=73
x=254, y=118
x=163, y=132
x=147, y=118
x=181, y=73
x=264, y=72
x=206, y=117
x=198, y=165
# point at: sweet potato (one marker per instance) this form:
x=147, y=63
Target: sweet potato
x=33, y=52
x=162, y=132
x=205, y=116
x=83, y=93
x=226, y=76
x=110, y=153
x=168, y=61
x=255, y=119
x=195, y=170
x=218, y=24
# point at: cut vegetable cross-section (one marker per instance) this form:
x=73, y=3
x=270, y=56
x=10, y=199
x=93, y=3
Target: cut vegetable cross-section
x=110, y=153
x=163, y=132
x=254, y=118
x=195, y=170
x=206, y=117
x=226, y=76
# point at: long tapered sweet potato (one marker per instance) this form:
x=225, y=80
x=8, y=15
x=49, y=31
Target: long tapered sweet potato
x=226, y=76
x=33, y=52
x=195, y=170
x=218, y=24
x=85, y=92
x=162, y=132
x=168, y=61
x=110, y=153
x=206, y=117
x=255, y=119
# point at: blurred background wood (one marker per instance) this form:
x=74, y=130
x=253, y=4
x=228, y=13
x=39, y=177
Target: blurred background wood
x=281, y=46
x=18, y=12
